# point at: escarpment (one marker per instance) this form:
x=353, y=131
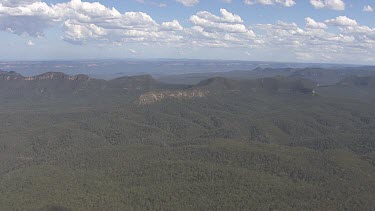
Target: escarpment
x=153, y=97
x=13, y=76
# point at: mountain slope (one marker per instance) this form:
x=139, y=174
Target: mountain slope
x=357, y=81
x=263, y=144
x=352, y=88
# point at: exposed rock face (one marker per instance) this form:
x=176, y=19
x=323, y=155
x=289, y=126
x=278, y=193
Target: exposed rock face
x=79, y=77
x=9, y=76
x=153, y=97
x=4, y=75
x=57, y=75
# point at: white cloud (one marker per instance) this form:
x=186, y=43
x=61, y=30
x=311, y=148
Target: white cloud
x=93, y=23
x=285, y=3
x=229, y=17
x=85, y=21
x=368, y=8
x=281, y=33
x=78, y=33
x=228, y=22
x=342, y=21
x=15, y=3
x=364, y=36
x=364, y=30
x=224, y=31
x=171, y=26
x=188, y=3
x=30, y=43
x=19, y=17
x=311, y=23
x=226, y=17
x=316, y=44
x=328, y=4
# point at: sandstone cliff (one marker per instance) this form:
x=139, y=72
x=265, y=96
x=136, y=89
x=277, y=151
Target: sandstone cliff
x=153, y=97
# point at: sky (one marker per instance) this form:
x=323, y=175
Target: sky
x=323, y=31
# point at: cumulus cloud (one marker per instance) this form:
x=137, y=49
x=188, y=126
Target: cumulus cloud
x=285, y=3
x=317, y=44
x=85, y=21
x=171, y=26
x=281, y=33
x=224, y=30
x=19, y=17
x=364, y=35
x=328, y=4
x=94, y=23
x=227, y=22
x=364, y=30
x=368, y=8
x=188, y=3
x=78, y=33
x=14, y=3
x=311, y=23
x=342, y=21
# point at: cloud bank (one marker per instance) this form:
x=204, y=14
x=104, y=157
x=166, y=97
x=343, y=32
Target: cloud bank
x=86, y=23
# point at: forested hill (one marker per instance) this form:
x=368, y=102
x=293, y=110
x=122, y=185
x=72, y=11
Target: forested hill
x=54, y=88
x=134, y=143
x=57, y=87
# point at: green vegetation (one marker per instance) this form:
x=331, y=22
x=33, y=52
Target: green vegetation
x=266, y=144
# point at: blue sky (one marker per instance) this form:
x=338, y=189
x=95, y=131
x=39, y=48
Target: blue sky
x=333, y=31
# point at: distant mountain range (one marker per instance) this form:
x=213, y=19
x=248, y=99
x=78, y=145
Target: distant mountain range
x=109, y=69
x=319, y=75
x=60, y=86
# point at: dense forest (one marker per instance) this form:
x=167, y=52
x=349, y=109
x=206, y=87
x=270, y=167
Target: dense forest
x=273, y=143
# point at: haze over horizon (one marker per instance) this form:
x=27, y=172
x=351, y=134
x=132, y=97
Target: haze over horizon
x=318, y=31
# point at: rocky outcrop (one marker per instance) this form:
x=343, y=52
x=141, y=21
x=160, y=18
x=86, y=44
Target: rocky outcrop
x=10, y=76
x=4, y=75
x=58, y=76
x=153, y=97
